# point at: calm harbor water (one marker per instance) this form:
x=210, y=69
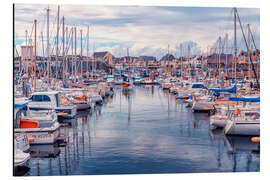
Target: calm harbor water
x=147, y=131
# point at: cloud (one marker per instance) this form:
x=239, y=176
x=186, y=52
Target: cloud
x=145, y=30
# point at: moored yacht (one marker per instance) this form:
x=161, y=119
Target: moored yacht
x=50, y=101
x=40, y=127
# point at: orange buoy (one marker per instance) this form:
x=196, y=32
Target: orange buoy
x=255, y=139
x=84, y=97
x=31, y=139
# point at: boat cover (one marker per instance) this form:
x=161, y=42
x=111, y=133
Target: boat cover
x=199, y=86
x=257, y=99
x=231, y=90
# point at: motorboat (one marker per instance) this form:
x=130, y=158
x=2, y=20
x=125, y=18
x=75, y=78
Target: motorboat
x=40, y=127
x=20, y=157
x=50, y=101
x=247, y=123
x=137, y=80
x=21, y=141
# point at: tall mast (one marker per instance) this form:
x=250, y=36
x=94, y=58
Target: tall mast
x=43, y=54
x=72, y=52
x=235, y=44
x=226, y=46
x=57, y=37
x=219, y=47
x=81, y=53
x=87, y=47
x=35, y=75
x=26, y=34
x=189, y=65
x=249, y=63
x=168, y=54
x=75, y=69
x=48, y=44
x=63, y=50
x=66, y=58
x=181, y=52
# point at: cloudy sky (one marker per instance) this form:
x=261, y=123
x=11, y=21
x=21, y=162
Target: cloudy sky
x=145, y=30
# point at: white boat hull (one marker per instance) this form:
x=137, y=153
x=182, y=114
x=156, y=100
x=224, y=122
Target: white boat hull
x=251, y=128
x=40, y=135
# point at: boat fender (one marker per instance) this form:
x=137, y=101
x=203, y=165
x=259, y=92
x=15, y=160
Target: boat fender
x=238, y=111
x=31, y=139
x=255, y=139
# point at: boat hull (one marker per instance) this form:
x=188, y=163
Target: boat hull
x=248, y=128
x=40, y=135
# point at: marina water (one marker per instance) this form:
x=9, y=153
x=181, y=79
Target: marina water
x=146, y=131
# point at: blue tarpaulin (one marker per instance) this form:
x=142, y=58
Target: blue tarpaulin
x=65, y=86
x=231, y=90
x=199, y=86
x=20, y=106
x=257, y=99
x=89, y=82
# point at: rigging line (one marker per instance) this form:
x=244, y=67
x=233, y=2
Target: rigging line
x=31, y=33
x=68, y=42
x=16, y=51
x=253, y=39
x=253, y=68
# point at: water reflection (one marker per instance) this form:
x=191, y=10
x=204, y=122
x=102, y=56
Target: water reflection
x=143, y=131
x=239, y=149
x=21, y=170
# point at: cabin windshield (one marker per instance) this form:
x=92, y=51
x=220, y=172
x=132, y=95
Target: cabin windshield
x=40, y=98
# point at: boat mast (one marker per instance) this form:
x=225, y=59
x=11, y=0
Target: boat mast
x=249, y=64
x=63, y=50
x=181, y=60
x=87, y=54
x=81, y=53
x=226, y=46
x=35, y=75
x=219, y=52
x=235, y=45
x=66, y=58
x=72, y=52
x=57, y=37
x=48, y=44
x=189, y=65
x=75, y=69
x=168, y=54
x=43, y=54
x=26, y=34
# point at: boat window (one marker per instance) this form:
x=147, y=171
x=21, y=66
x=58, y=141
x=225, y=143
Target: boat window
x=46, y=98
x=46, y=124
x=37, y=98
